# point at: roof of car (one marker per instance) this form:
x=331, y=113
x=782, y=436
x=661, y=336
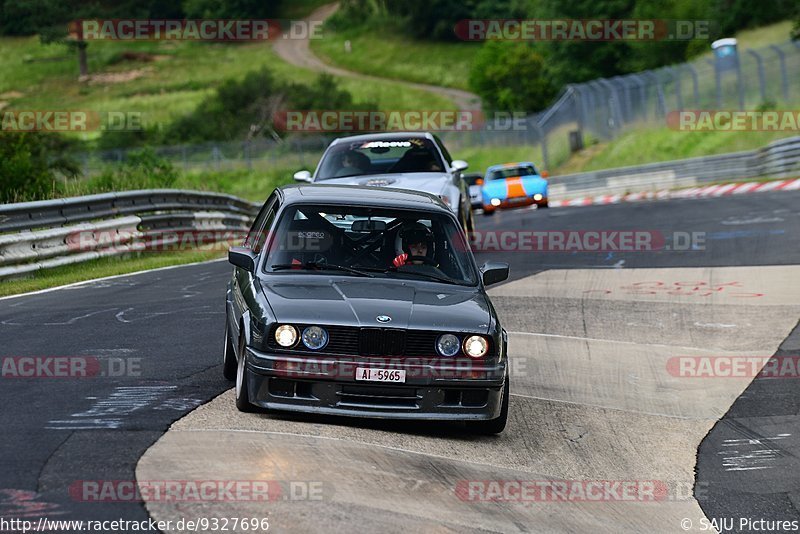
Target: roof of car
x=509, y=165
x=361, y=196
x=382, y=135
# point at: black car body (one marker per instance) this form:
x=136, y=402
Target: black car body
x=398, y=321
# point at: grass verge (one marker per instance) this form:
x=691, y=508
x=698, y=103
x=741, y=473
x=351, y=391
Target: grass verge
x=663, y=144
x=385, y=53
x=103, y=267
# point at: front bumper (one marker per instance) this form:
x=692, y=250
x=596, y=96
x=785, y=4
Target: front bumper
x=433, y=390
x=516, y=202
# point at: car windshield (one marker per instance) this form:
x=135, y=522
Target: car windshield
x=370, y=241
x=380, y=156
x=512, y=172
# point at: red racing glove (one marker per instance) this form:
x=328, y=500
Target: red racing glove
x=400, y=260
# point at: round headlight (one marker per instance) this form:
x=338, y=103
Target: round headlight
x=286, y=335
x=476, y=346
x=447, y=345
x=315, y=337
x=537, y=196
x=495, y=202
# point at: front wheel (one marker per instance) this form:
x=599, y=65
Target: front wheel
x=242, y=388
x=498, y=424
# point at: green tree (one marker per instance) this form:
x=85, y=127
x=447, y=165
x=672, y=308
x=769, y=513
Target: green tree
x=231, y=9
x=511, y=76
x=33, y=165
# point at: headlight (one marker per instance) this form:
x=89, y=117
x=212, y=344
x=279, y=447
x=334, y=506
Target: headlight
x=476, y=346
x=447, y=345
x=315, y=337
x=495, y=202
x=537, y=196
x=286, y=335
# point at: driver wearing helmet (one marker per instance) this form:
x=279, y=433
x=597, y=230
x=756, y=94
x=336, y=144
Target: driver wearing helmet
x=416, y=245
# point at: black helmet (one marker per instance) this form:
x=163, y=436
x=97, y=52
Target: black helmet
x=416, y=233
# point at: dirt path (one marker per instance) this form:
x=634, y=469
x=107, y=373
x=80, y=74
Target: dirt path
x=298, y=52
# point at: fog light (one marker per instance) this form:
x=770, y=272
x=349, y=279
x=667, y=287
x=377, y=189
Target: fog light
x=315, y=337
x=537, y=196
x=495, y=202
x=476, y=346
x=286, y=335
x=447, y=345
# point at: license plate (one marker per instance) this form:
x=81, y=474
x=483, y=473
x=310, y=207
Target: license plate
x=370, y=374
x=518, y=200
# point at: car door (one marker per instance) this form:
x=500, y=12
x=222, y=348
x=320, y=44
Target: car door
x=242, y=287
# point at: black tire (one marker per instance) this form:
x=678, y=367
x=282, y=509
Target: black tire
x=228, y=356
x=242, y=388
x=488, y=213
x=498, y=424
x=544, y=205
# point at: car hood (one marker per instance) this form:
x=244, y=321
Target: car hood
x=426, y=182
x=358, y=302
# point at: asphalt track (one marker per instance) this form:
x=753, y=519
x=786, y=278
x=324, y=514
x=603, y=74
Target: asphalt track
x=591, y=335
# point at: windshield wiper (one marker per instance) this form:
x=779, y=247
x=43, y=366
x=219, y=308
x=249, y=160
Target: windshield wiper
x=417, y=273
x=427, y=275
x=321, y=265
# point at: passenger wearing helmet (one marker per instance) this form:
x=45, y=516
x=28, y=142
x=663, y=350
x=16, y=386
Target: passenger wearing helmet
x=416, y=246
x=352, y=163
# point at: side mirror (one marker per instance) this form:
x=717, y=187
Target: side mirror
x=459, y=165
x=544, y=174
x=494, y=272
x=242, y=257
x=302, y=176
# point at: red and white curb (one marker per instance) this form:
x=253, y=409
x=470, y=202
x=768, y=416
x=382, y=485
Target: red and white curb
x=694, y=192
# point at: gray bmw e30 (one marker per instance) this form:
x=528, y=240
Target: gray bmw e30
x=364, y=302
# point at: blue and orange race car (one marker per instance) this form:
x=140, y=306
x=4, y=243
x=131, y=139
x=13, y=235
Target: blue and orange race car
x=512, y=185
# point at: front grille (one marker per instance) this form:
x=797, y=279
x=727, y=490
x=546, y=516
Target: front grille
x=371, y=342
x=382, y=342
x=422, y=344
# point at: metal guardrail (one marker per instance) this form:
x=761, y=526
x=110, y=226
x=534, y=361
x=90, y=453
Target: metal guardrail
x=779, y=159
x=44, y=234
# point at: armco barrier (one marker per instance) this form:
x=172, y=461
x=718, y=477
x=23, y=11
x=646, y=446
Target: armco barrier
x=36, y=235
x=779, y=159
